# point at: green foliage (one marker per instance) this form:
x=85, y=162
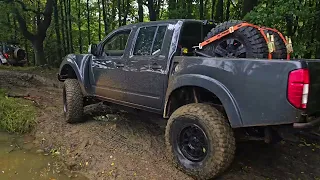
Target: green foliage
x=293, y=18
x=298, y=19
x=16, y=115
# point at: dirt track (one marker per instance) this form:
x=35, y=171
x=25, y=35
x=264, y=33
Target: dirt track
x=123, y=146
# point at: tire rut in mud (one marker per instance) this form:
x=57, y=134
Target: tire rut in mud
x=10, y=79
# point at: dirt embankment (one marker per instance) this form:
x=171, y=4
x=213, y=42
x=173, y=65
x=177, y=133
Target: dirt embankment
x=124, y=146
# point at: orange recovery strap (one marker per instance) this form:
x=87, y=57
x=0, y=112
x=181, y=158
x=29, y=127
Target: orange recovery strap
x=245, y=24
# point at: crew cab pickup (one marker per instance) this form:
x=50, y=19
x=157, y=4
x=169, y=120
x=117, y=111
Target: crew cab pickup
x=152, y=67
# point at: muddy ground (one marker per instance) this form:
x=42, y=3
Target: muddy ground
x=126, y=146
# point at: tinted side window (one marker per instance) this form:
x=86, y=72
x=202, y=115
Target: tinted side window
x=144, y=41
x=117, y=44
x=159, y=39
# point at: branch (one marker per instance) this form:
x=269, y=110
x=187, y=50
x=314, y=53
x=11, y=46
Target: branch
x=44, y=25
x=24, y=7
x=23, y=25
x=22, y=4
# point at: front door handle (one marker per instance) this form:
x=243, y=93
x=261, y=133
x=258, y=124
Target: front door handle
x=119, y=65
x=156, y=66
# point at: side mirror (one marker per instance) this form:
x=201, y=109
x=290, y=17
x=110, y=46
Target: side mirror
x=92, y=49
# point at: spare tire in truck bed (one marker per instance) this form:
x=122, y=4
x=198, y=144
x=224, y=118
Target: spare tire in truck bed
x=246, y=42
x=281, y=50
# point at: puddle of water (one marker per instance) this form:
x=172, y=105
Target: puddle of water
x=18, y=162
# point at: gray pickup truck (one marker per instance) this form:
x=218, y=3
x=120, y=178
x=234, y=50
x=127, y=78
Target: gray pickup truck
x=155, y=67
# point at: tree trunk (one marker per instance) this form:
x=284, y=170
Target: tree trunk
x=152, y=12
x=104, y=16
x=189, y=9
x=113, y=14
x=119, y=12
x=99, y=19
x=63, y=29
x=126, y=11
x=88, y=22
x=248, y=5
x=219, y=11
x=68, y=50
x=140, y=10
x=201, y=9
x=213, y=8
x=79, y=26
x=38, y=52
x=15, y=30
x=70, y=26
x=172, y=7
x=317, y=19
x=57, y=28
x=228, y=10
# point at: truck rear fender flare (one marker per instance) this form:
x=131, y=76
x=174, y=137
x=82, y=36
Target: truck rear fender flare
x=211, y=85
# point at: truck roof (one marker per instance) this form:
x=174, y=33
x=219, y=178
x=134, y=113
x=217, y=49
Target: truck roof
x=158, y=22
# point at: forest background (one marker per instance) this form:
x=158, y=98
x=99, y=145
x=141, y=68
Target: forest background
x=50, y=29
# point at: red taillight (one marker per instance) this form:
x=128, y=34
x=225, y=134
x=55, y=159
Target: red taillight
x=6, y=55
x=298, y=88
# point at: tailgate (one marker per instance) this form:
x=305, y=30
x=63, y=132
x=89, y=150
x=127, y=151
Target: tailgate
x=313, y=106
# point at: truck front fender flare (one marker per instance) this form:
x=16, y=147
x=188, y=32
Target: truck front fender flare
x=214, y=87
x=79, y=67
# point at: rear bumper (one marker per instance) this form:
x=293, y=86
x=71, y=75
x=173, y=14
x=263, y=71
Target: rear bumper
x=304, y=125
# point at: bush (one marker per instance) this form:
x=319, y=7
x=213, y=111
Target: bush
x=16, y=115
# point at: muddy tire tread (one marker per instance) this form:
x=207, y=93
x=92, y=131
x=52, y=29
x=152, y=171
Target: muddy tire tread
x=219, y=129
x=74, y=98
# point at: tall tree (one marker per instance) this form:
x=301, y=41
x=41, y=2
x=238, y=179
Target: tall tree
x=70, y=25
x=99, y=19
x=104, y=16
x=66, y=26
x=57, y=28
x=140, y=10
x=79, y=26
x=43, y=24
x=212, y=9
x=219, y=11
x=248, y=5
x=228, y=10
x=88, y=22
x=201, y=9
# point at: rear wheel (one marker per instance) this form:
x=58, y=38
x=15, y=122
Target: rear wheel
x=72, y=101
x=200, y=141
x=247, y=42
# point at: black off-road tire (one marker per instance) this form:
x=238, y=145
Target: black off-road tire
x=251, y=38
x=221, y=142
x=73, y=101
x=281, y=50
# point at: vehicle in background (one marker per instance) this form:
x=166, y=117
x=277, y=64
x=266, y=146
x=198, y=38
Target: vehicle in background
x=12, y=54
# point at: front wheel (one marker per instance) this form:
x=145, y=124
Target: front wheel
x=200, y=141
x=72, y=101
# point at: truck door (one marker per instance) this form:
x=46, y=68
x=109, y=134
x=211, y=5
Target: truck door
x=147, y=65
x=109, y=78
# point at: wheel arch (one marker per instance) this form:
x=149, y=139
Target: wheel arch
x=72, y=68
x=208, y=87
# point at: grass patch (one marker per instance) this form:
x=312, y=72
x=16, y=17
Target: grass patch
x=16, y=115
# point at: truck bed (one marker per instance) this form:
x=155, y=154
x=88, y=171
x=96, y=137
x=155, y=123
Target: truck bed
x=257, y=86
